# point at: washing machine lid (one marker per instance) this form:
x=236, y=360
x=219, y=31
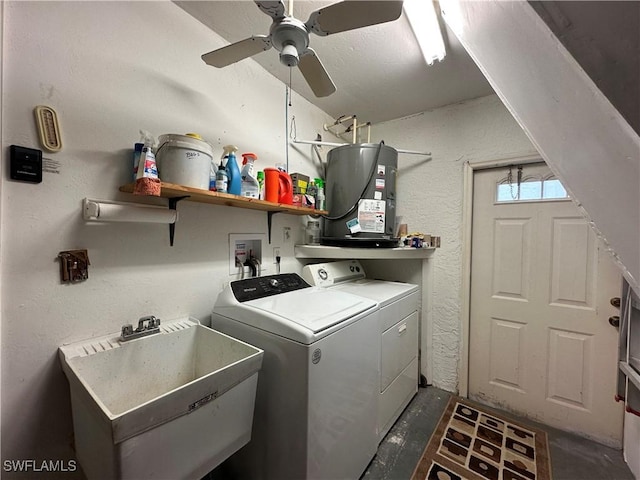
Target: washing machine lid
x=312, y=309
x=287, y=306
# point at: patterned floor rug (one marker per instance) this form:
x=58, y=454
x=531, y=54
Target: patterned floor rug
x=472, y=444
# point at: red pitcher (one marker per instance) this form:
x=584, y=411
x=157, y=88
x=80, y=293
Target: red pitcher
x=278, y=187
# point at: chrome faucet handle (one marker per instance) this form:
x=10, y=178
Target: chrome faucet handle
x=149, y=319
x=153, y=322
x=127, y=330
x=152, y=326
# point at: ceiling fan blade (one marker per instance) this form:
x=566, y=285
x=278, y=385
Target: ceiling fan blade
x=352, y=14
x=315, y=74
x=237, y=51
x=274, y=8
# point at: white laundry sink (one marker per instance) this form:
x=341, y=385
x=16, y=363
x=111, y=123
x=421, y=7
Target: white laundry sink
x=174, y=404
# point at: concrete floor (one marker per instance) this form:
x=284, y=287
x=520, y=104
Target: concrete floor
x=572, y=457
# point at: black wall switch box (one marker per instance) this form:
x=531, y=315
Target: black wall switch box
x=26, y=164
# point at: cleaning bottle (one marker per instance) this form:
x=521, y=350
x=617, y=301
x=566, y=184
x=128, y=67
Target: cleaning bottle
x=320, y=197
x=260, y=178
x=222, y=179
x=250, y=186
x=146, y=140
x=233, y=172
x=147, y=181
x=213, y=176
x=312, y=194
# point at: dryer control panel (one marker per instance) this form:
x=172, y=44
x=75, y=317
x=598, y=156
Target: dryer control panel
x=260, y=287
x=333, y=273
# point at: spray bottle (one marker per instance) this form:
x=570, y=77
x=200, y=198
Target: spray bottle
x=250, y=186
x=213, y=176
x=260, y=178
x=320, y=197
x=233, y=172
x=146, y=140
x=147, y=181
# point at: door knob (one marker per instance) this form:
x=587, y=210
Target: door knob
x=615, y=301
x=614, y=321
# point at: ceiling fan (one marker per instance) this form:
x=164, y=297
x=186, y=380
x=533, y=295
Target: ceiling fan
x=290, y=36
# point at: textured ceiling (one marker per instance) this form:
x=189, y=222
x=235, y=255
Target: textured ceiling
x=379, y=71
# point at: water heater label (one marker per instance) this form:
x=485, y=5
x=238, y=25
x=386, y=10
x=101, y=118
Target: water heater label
x=371, y=215
x=379, y=183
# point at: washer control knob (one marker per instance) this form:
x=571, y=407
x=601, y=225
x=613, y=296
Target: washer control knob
x=273, y=282
x=322, y=273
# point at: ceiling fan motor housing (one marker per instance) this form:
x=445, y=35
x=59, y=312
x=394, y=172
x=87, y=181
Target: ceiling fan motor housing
x=291, y=38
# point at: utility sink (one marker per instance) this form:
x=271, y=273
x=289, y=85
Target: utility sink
x=173, y=404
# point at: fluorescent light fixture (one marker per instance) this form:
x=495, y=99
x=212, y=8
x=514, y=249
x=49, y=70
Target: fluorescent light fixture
x=424, y=23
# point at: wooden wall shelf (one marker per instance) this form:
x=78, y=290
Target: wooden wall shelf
x=171, y=190
x=176, y=192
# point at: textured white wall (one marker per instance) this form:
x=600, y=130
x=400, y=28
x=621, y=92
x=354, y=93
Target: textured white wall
x=110, y=69
x=430, y=199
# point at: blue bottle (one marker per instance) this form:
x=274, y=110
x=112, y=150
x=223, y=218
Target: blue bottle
x=233, y=171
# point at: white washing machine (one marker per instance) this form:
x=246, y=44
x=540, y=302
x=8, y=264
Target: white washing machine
x=317, y=396
x=398, y=331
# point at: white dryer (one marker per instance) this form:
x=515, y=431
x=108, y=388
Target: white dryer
x=398, y=331
x=317, y=396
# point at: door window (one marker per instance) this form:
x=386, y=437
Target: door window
x=531, y=188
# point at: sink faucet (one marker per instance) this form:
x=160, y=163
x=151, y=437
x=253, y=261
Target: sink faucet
x=152, y=326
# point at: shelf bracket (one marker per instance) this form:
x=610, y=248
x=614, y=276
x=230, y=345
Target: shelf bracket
x=173, y=203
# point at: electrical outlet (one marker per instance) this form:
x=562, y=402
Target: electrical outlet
x=276, y=253
x=286, y=234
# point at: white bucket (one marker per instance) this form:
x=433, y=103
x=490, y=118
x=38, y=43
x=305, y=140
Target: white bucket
x=184, y=160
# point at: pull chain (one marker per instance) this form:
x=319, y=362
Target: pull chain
x=510, y=180
x=519, y=179
x=290, y=82
x=287, y=132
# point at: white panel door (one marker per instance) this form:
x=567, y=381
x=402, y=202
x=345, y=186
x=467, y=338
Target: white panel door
x=540, y=343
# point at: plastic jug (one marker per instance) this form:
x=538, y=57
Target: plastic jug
x=278, y=187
